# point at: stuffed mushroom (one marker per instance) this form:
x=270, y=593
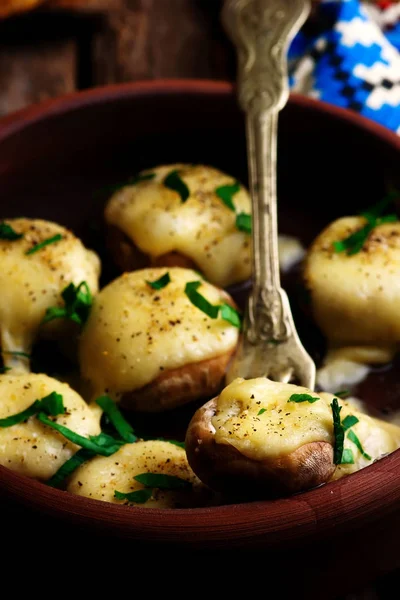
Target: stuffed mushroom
x=261, y=438
x=38, y=260
x=27, y=445
x=158, y=338
x=151, y=474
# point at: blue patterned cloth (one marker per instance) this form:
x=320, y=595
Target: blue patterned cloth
x=348, y=54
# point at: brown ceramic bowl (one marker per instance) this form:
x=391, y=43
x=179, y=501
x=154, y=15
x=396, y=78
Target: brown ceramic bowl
x=55, y=156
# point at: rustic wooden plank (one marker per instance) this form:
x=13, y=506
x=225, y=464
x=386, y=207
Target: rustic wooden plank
x=32, y=73
x=144, y=39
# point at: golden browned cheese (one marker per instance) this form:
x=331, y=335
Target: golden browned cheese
x=201, y=228
x=100, y=477
x=355, y=298
x=136, y=333
x=31, y=283
x=258, y=419
x=32, y=448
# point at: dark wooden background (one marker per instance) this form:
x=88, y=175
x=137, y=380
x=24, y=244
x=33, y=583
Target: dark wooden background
x=52, y=51
x=55, y=50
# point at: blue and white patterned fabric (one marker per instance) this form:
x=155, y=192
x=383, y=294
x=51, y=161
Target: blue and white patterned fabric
x=348, y=54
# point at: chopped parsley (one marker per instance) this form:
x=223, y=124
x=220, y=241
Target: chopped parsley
x=349, y=421
x=4, y=370
x=353, y=438
x=261, y=411
x=226, y=193
x=51, y=240
x=139, y=497
x=342, y=394
x=102, y=444
x=77, y=304
x=17, y=353
x=160, y=283
x=173, y=181
x=243, y=222
x=338, y=432
x=228, y=313
x=162, y=481
x=8, y=233
x=113, y=413
x=302, y=398
x=52, y=404
x=69, y=467
x=347, y=457
x=355, y=241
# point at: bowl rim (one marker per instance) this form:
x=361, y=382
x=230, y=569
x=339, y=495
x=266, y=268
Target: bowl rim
x=269, y=521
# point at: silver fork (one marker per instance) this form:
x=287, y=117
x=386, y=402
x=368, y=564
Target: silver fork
x=261, y=31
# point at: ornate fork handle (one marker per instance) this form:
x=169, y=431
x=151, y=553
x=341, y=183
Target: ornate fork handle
x=261, y=31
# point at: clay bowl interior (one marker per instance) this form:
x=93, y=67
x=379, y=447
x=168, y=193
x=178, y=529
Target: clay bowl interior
x=55, y=160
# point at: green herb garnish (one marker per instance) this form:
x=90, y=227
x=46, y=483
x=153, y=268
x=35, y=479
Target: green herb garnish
x=4, y=370
x=50, y=240
x=342, y=394
x=102, y=444
x=353, y=438
x=302, y=398
x=228, y=313
x=338, y=432
x=349, y=421
x=347, y=457
x=8, y=233
x=77, y=304
x=160, y=283
x=243, y=222
x=52, y=405
x=261, y=411
x=355, y=242
x=69, y=467
x=231, y=315
x=162, y=481
x=226, y=193
x=174, y=182
x=140, y=496
x=199, y=301
x=124, y=429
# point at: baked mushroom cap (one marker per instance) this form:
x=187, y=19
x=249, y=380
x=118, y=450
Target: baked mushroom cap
x=32, y=277
x=261, y=438
x=101, y=477
x=186, y=223
x=153, y=349
x=355, y=297
x=30, y=447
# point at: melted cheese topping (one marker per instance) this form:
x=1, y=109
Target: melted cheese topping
x=284, y=426
x=100, y=477
x=32, y=283
x=202, y=228
x=355, y=299
x=32, y=448
x=135, y=333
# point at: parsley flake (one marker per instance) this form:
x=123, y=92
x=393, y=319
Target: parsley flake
x=8, y=233
x=228, y=313
x=77, y=304
x=353, y=438
x=226, y=193
x=139, y=496
x=243, y=222
x=261, y=411
x=349, y=421
x=69, y=467
x=160, y=283
x=51, y=240
x=124, y=429
x=174, y=182
x=347, y=457
x=338, y=432
x=52, y=404
x=303, y=398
